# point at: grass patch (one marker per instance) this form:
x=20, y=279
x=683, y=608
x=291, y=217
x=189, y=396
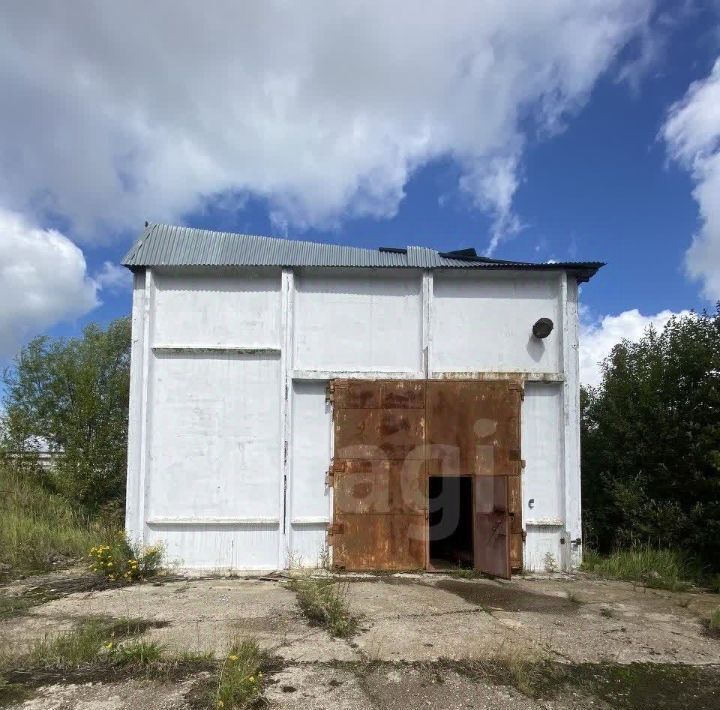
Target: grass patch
x=92, y=641
x=463, y=573
x=38, y=528
x=15, y=604
x=137, y=652
x=109, y=650
x=18, y=604
x=524, y=672
x=96, y=650
x=713, y=624
x=634, y=686
x=574, y=598
x=323, y=601
x=84, y=651
x=658, y=569
x=240, y=678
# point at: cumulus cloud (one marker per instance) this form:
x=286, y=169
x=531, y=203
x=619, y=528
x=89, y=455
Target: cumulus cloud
x=599, y=336
x=117, y=112
x=692, y=135
x=113, y=278
x=43, y=279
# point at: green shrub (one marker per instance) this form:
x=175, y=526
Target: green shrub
x=123, y=561
x=659, y=569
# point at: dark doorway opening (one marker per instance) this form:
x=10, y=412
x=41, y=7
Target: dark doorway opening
x=451, y=521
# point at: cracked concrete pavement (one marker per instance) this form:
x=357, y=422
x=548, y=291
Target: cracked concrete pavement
x=408, y=622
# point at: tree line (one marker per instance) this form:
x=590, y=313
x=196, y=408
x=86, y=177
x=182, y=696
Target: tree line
x=650, y=431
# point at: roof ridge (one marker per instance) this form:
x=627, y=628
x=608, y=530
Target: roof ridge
x=180, y=245
x=308, y=242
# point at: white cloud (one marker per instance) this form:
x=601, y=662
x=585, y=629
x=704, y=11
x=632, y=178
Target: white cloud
x=113, y=278
x=692, y=135
x=117, y=112
x=43, y=279
x=598, y=337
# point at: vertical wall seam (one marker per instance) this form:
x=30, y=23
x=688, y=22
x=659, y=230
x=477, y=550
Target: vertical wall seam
x=287, y=292
x=145, y=432
x=135, y=412
x=427, y=296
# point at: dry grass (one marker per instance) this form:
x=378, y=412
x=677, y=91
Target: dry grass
x=323, y=601
x=37, y=528
x=522, y=669
x=714, y=622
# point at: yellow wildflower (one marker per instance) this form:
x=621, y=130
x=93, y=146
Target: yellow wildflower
x=232, y=658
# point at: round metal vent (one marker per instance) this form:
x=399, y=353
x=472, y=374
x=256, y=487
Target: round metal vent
x=542, y=327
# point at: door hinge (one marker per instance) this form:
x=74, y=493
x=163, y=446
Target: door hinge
x=333, y=530
x=524, y=535
x=517, y=387
x=335, y=467
x=330, y=392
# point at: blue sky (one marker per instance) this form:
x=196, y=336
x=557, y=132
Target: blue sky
x=597, y=159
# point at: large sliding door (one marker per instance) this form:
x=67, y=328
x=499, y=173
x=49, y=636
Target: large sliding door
x=391, y=435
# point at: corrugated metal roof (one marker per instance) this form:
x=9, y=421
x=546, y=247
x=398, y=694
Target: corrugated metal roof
x=167, y=245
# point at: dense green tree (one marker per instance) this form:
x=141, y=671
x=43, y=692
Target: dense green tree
x=71, y=396
x=651, y=442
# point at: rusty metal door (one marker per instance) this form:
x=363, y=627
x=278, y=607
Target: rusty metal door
x=378, y=475
x=491, y=533
x=390, y=436
x=473, y=429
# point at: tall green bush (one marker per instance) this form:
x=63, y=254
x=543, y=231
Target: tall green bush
x=651, y=442
x=71, y=396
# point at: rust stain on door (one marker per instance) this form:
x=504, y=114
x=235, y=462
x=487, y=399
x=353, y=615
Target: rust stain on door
x=379, y=498
x=391, y=435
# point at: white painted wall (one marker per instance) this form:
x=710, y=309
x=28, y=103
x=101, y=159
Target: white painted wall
x=230, y=434
x=482, y=323
x=353, y=320
x=543, y=486
x=310, y=499
x=213, y=451
x=218, y=309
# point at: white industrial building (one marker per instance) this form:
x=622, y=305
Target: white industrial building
x=287, y=395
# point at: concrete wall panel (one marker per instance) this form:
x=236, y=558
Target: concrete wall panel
x=358, y=321
x=214, y=441
x=310, y=498
x=483, y=322
x=218, y=309
x=219, y=547
x=542, y=449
